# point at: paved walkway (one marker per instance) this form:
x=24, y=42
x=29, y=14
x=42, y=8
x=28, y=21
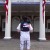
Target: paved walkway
x=13, y=44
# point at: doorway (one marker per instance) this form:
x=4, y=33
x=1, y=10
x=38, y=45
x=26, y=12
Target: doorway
x=15, y=21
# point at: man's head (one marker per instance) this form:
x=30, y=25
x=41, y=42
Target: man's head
x=24, y=18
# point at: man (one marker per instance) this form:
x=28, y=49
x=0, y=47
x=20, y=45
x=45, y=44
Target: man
x=24, y=28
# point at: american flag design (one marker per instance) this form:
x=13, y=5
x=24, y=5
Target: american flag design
x=6, y=9
x=43, y=8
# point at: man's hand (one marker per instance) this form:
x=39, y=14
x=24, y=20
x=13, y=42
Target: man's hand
x=18, y=30
x=31, y=31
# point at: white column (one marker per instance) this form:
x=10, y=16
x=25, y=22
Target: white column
x=8, y=23
x=42, y=24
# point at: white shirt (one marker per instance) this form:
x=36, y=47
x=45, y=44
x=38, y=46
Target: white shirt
x=25, y=34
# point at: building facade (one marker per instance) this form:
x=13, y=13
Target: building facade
x=31, y=9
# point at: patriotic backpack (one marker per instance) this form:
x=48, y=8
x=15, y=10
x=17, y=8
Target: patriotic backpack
x=24, y=26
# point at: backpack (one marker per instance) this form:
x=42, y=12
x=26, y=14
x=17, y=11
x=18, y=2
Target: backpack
x=24, y=26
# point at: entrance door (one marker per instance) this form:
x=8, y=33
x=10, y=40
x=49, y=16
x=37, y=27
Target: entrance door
x=15, y=21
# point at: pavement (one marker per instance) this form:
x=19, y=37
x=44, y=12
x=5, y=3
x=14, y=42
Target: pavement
x=13, y=44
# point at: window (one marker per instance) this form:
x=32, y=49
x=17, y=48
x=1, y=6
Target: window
x=48, y=25
x=3, y=24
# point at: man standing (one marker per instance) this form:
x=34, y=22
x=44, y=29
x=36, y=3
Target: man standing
x=24, y=28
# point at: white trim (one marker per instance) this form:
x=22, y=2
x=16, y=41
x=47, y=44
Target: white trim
x=42, y=38
x=7, y=37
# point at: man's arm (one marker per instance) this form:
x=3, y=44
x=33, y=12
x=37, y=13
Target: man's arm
x=18, y=28
x=31, y=28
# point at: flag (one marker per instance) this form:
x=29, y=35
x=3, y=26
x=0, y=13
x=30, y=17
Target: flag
x=6, y=9
x=43, y=6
